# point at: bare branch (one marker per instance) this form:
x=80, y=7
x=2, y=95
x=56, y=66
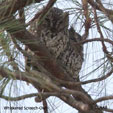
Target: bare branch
x=103, y=99
x=98, y=79
x=18, y=98
x=96, y=39
x=41, y=96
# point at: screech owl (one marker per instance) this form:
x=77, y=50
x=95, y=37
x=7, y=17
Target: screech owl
x=60, y=41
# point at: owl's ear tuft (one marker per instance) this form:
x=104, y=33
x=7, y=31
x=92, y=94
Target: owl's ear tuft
x=66, y=16
x=74, y=35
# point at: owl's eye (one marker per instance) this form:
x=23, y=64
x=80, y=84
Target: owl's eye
x=47, y=19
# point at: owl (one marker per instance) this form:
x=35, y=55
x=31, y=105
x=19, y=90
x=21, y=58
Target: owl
x=61, y=41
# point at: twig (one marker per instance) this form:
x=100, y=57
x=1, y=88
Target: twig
x=45, y=106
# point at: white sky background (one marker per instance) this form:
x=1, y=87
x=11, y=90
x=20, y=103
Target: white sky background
x=92, y=53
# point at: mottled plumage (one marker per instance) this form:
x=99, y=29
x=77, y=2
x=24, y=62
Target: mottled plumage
x=60, y=41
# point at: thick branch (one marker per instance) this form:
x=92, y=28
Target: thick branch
x=52, y=87
x=43, y=80
x=79, y=105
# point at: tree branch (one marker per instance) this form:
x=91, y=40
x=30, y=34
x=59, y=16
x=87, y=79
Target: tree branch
x=76, y=104
x=44, y=81
x=100, y=7
x=9, y=7
x=41, y=96
x=87, y=23
x=18, y=98
x=96, y=39
x=103, y=99
x=68, y=83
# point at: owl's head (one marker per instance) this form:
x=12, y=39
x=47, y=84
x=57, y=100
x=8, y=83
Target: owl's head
x=56, y=20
